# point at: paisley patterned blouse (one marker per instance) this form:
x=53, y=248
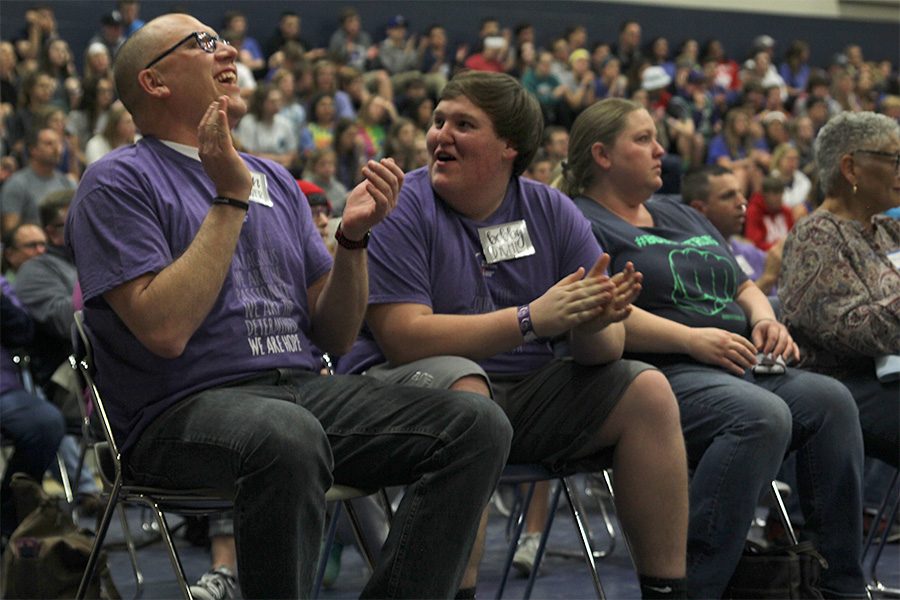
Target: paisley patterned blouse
x=840, y=291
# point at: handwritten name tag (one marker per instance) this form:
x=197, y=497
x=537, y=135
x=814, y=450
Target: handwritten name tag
x=507, y=241
x=894, y=257
x=259, y=193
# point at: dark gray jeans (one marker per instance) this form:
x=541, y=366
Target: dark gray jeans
x=277, y=441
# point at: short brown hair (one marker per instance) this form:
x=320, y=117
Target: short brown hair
x=514, y=112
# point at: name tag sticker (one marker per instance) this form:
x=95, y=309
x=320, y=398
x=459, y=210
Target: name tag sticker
x=744, y=264
x=894, y=257
x=507, y=241
x=259, y=193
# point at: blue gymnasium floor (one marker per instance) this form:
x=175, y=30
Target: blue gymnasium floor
x=561, y=577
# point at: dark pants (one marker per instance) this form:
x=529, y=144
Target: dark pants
x=276, y=442
x=35, y=428
x=737, y=432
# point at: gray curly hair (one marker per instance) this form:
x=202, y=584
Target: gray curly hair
x=845, y=133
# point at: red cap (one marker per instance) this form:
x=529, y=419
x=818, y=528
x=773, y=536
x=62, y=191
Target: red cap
x=314, y=194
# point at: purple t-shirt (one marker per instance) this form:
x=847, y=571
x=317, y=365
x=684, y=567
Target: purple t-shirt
x=750, y=259
x=136, y=211
x=10, y=377
x=719, y=148
x=427, y=253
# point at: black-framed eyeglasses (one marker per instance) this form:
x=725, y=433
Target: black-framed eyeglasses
x=895, y=156
x=205, y=41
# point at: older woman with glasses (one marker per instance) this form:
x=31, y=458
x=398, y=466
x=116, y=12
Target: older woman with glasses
x=840, y=286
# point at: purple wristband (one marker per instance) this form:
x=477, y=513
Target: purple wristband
x=523, y=314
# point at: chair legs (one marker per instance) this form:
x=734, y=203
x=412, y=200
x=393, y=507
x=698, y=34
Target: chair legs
x=542, y=543
x=65, y=479
x=326, y=548
x=889, y=507
x=581, y=527
x=579, y=519
x=783, y=513
x=602, y=504
x=132, y=553
x=91, y=567
x=356, y=526
x=170, y=547
x=514, y=540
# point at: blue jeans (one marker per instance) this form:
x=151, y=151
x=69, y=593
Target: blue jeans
x=70, y=451
x=737, y=432
x=35, y=427
x=278, y=441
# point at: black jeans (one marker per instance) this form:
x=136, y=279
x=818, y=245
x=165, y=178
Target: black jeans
x=278, y=441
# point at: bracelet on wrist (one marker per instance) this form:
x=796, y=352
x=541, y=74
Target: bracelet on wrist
x=349, y=244
x=526, y=327
x=242, y=204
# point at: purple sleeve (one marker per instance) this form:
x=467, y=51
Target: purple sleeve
x=112, y=251
x=579, y=246
x=399, y=269
x=716, y=150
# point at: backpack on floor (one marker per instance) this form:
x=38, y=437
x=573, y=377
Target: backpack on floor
x=47, y=553
x=777, y=573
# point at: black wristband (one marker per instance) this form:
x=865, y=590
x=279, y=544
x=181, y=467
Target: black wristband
x=242, y=204
x=349, y=244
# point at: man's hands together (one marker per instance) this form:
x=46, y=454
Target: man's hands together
x=588, y=302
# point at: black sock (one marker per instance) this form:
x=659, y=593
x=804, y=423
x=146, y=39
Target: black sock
x=465, y=594
x=657, y=587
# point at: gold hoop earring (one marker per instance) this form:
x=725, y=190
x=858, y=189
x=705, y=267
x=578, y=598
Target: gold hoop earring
x=855, y=187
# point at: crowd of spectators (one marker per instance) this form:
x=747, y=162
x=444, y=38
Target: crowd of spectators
x=323, y=112
x=710, y=105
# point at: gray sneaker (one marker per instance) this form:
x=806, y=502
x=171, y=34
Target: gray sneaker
x=523, y=560
x=217, y=584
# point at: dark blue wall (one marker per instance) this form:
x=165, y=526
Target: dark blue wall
x=78, y=20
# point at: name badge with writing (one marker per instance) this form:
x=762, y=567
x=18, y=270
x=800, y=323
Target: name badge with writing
x=259, y=193
x=506, y=241
x=894, y=257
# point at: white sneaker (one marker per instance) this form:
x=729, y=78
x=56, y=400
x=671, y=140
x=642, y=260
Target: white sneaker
x=523, y=560
x=217, y=584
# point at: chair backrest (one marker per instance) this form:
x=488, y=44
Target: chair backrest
x=82, y=361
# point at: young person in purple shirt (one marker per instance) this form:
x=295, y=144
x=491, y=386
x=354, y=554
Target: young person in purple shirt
x=474, y=275
x=205, y=285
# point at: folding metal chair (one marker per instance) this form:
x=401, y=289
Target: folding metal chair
x=158, y=500
x=530, y=474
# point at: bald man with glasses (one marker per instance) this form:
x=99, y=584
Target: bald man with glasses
x=206, y=285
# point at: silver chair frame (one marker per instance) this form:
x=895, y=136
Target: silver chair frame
x=531, y=474
x=158, y=500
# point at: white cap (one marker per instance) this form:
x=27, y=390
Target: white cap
x=654, y=78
